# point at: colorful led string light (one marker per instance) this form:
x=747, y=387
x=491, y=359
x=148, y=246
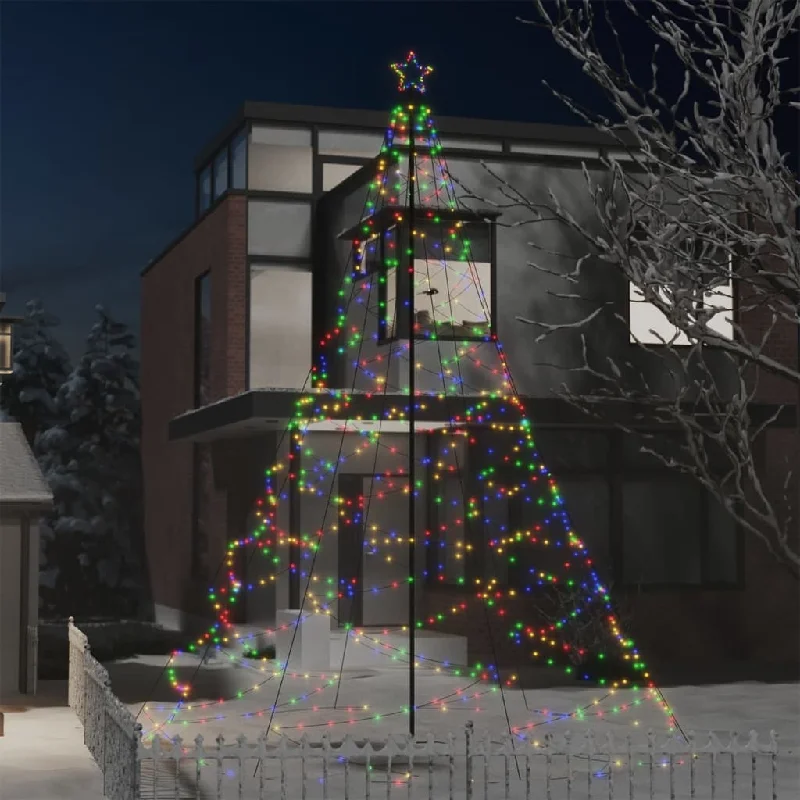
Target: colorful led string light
x=534, y=485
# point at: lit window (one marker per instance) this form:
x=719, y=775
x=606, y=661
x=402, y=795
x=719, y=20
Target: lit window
x=334, y=174
x=276, y=228
x=453, y=281
x=648, y=325
x=452, y=292
x=362, y=144
x=280, y=160
x=280, y=326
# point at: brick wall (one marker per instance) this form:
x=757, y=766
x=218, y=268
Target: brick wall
x=217, y=243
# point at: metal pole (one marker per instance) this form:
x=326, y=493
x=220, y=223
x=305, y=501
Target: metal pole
x=412, y=522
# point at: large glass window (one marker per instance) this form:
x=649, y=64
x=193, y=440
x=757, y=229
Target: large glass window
x=552, y=150
x=221, y=173
x=451, y=552
x=280, y=159
x=334, y=174
x=452, y=291
x=202, y=340
x=709, y=288
x=663, y=522
x=461, y=143
x=280, y=326
x=642, y=523
x=674, y=532
x=276, y=228
x=350, y=143
x=239, y=161
x=204, y=189
x=723, y=545
x=202, y=493
x=587, y=501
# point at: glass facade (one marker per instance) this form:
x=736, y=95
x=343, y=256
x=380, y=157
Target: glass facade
x=239, y=161
x=280, y=326
x=204, y=190
x=360, y=144
x=276, y=228
x=202, y=340
x=221, y=173
x=280, y=160
x=334, y=174
x=452, y=283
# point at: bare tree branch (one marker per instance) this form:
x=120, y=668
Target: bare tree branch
x=703, y=210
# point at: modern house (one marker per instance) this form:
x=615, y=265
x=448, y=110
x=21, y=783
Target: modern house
x=239, y=308
x=24, y=498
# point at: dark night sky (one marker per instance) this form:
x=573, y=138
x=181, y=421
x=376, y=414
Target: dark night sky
x=105, y=106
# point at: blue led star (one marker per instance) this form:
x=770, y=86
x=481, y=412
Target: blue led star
x=411, y=74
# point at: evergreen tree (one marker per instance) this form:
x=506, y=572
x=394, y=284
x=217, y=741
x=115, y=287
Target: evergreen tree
x=40, y=367
x=91, y=459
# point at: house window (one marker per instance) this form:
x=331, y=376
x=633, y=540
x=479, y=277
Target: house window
x=204, y=189
x=202, y=339
x=587, y=504
x=350, y=143
x=554, y=151
x=450, y=556
x=673, y=531
x=452, y=291
x=276, y=228
x=280, y=326
x=280, y=160
x=239, y=161
x=368, y=257
x=202, y=491
x=650, y=326
x=221, y=173
x=452, y=281
x=461, y=143
x=334, y=174
x=642, y=523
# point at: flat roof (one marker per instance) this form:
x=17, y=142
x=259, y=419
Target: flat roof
x=329, y=117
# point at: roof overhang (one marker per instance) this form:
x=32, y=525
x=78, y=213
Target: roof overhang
x=263, y=410
x=19, y=508
x=386, y=216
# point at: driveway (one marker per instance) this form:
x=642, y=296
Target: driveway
x=42, y=755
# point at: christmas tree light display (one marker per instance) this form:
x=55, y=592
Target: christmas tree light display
x=414, y=353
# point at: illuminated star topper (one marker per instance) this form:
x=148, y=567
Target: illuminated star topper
x=411, y=74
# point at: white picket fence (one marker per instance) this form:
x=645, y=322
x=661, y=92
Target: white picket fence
x=460, y=766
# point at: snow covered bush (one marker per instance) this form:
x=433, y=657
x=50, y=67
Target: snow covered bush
x=92, y=561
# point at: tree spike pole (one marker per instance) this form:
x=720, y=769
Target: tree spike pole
x=412, y=81
x=412, y=506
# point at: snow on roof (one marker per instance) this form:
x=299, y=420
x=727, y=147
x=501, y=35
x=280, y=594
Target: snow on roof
x=21, y=479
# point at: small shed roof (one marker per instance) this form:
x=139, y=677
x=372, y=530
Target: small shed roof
x=21, y=479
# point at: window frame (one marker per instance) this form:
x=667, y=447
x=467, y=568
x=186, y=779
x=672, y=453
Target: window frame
x=679, y=338
x=202, y=280
x=255, y=199
x=255, y=263
x=613, y=476
x=223, y=152
x=298, y=128
x=199, y=202
x=403, y=287
x=244, y=135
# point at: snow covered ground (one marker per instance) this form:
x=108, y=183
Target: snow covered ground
x=370, y=706
x=42, y=755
